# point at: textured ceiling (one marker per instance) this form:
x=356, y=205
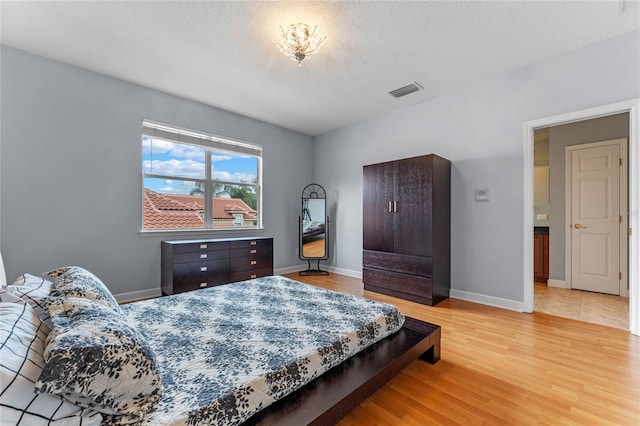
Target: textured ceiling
x=222, y=53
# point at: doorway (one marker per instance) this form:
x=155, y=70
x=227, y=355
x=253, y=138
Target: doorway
x=594, y=176
x=632, y=108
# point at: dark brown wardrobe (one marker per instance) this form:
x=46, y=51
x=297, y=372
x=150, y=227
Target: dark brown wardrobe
x=407, y=227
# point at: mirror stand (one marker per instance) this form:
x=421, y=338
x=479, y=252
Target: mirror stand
x=316, y=271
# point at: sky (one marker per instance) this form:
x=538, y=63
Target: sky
x=161, y=157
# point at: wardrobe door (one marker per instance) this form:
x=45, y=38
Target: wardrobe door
x=413, y=179
x=377, y=207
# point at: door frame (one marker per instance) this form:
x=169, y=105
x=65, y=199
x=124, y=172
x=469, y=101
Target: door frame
x=623, y=206
x=632, y=107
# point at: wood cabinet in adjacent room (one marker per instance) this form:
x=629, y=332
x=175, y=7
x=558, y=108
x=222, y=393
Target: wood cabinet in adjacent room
x=407, y=227
x=541, y=254
x=193, y=264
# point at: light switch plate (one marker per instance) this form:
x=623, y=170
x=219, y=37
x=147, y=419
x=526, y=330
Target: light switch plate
x=542, y=216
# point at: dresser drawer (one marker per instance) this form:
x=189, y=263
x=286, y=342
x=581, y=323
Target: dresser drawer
x=260, y=251
x=200, y=256
x=404, y=263
x=410, y=287
x=249, y=263
x=186, y=285
x=200, y=271
x=249, y=275
x=257, y=242
x=200, y=246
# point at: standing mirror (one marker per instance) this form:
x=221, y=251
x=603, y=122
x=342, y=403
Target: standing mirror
x=314, y=228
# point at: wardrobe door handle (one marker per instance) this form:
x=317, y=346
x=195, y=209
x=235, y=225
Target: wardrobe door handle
x=390, y=206
x=395, y=206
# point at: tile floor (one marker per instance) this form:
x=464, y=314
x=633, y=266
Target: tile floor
x=584, y=306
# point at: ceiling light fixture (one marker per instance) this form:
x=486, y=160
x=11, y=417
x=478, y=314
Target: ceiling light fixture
x=298, y=41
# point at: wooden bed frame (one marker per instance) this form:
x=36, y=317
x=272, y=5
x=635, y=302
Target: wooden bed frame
x=333, y=395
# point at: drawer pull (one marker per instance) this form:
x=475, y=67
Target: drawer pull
x=253, y=243
x=254, y=276
x=254, y=251
x=203, y=246
x=203, y=269
x=254, y=262
x=203, y=285
x=203, y=256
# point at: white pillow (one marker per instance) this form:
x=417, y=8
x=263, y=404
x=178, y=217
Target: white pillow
x=32, y=290
x=3, y=275
x=23, y=336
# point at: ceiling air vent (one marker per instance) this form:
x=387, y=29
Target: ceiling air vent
x=403, y=91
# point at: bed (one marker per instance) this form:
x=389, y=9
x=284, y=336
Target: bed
x=265, y=351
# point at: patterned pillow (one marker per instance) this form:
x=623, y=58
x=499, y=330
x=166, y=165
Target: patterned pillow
x=23, y=336
x=32, y=290
x=95, y=359
x=74, y=281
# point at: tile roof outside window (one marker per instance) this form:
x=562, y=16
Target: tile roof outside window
x=168, y=211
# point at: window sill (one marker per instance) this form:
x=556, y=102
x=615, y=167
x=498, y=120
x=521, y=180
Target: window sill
x=201, y=231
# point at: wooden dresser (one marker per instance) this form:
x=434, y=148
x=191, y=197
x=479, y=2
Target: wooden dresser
x=193, y=264
x=406, y=228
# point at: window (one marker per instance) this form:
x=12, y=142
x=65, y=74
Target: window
x=193, y=180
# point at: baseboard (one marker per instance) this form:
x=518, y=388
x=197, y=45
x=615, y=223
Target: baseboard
x=289, y=270
x=498, y=302
x=557, y=283
x=339, y=271
x=138, y=295
x=346, y=272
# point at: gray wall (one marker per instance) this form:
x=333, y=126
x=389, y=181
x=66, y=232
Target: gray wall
x=480, y=129
x=596, y=130
x=71, y=171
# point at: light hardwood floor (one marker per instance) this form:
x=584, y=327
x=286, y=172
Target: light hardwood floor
x=500, y=367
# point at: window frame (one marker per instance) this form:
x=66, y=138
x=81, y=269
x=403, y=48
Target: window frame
x=211, y=143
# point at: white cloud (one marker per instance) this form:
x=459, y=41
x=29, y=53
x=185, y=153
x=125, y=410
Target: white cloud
x=175, y=150
x=217, y=156
x=179, y=168
x=233, y=177
x=187, y=151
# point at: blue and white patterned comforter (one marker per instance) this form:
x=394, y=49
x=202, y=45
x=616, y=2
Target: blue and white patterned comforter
x=227, y=352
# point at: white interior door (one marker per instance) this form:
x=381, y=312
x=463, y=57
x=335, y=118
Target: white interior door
x=595, y=219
